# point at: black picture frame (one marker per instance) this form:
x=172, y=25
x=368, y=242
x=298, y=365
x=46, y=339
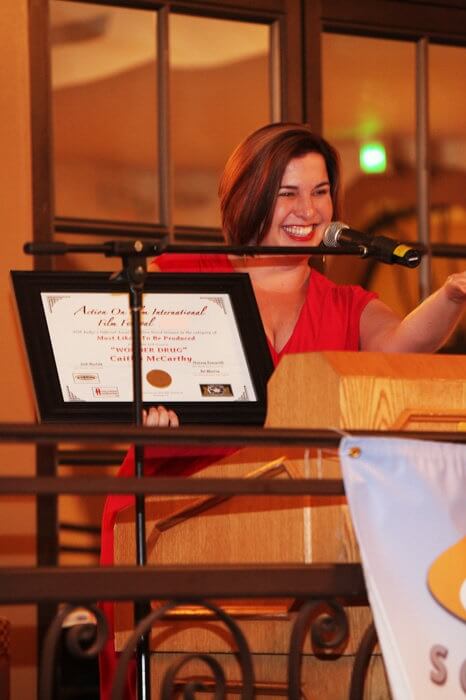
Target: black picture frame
x=51, y=406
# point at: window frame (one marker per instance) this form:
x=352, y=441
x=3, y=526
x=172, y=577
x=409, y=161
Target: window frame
x=421, y=22
x=297, y=29
x=283, y=16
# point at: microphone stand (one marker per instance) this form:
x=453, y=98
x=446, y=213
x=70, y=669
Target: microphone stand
x=134, y=271
x=134, y=256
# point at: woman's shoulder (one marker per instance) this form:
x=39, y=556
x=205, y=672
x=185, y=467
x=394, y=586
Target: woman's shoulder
x=322, y=282
x=323, y=287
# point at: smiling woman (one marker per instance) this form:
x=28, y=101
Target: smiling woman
x=277, y=161
x=304, y=204
x=280, y=187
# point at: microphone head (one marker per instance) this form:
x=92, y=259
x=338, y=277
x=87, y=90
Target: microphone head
x=331, y=234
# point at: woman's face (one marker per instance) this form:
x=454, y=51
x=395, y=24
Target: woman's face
x=303, y=207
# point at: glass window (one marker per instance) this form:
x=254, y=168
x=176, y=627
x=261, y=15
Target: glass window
x=447, y=78
x=104, y=97
x=369, y=115
x=220, y=91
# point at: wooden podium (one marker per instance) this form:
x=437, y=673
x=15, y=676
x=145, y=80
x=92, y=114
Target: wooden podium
x=317, y=390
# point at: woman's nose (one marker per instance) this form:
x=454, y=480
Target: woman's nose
x=304, y=208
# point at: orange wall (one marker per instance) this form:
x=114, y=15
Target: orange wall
x=17, y=525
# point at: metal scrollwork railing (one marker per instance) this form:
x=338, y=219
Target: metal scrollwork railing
x=325, y=620
x=361, y=662
x=315, y=587
x=328, y=625
x=192, y=686
x=168, y=685
x=84, y=641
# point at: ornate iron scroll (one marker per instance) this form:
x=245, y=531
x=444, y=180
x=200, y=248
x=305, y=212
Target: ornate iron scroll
x=361, y=662
x=83, y=641
x=325, y=620
x=329, y=629
x=143, y=628
x=192, y=686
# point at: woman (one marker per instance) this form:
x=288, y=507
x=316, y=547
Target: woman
x=280, y=187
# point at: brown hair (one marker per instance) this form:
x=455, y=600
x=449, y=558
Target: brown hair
x=252, y=177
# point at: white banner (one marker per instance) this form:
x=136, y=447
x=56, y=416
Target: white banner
x=408, y=505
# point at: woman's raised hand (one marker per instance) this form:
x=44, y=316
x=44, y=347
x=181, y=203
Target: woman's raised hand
x=455, y=287
x=160, y=417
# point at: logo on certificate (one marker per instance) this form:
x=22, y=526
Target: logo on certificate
x=216, y=390
x=85, y=377
x=101, y=392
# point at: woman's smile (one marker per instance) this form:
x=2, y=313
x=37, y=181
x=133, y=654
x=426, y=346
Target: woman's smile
x=299, y=233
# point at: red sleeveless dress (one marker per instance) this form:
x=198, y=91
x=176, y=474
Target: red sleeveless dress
x=329, y=320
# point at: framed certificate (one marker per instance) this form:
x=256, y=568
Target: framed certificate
x=204, y=351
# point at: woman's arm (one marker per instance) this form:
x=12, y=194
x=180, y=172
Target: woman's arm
x=425, y=329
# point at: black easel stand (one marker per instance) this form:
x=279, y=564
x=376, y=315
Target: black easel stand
x=135, y=271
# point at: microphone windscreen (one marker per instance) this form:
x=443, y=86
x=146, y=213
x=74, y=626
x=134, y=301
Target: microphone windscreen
x=330, y=237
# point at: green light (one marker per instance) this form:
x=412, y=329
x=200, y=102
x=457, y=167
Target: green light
x=373, y=158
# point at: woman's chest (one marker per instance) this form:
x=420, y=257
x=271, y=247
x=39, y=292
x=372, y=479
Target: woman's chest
x=280, y=312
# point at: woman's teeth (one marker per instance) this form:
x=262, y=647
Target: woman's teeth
x=299, y=231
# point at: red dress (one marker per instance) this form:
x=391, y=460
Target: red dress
x=329, y=320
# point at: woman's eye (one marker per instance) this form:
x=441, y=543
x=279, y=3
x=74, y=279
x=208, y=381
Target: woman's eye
x=285, y=193
x=322, y=192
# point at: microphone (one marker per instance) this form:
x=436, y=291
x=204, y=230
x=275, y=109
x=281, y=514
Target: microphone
x=385, y=249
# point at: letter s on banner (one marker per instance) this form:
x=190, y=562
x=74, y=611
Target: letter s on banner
x=437, y=654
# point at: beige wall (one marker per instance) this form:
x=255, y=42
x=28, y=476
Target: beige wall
x=17, y=538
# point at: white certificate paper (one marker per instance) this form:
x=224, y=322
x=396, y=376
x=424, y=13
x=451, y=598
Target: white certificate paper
x=191, y=347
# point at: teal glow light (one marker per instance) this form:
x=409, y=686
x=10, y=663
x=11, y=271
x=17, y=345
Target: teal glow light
x=373, y=158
